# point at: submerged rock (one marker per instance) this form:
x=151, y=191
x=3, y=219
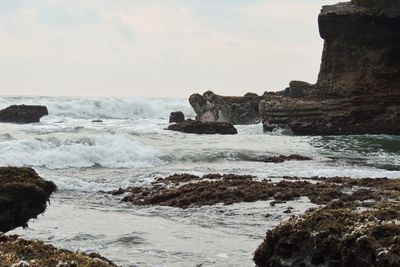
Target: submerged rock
x=210, y=107
x=23, y=114
x=198, y=127
x=358, y=87
x=176, y=117
x=279, y=158
x=17, y=252
x=23, y=196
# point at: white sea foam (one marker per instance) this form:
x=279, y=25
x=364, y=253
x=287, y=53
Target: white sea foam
x=65, y=183
x=106, y=150
x=106, y=108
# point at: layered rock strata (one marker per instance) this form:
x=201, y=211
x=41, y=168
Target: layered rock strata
x=358, y=87
x=210, y=107
x=23, y=114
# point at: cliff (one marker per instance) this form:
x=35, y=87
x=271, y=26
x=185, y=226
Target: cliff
x=358, y=87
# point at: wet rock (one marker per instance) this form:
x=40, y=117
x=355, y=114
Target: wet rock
x=280, y=158
x=357, y=91
x=23, y=114
x=18, y=252
x=210, y=107
x=176, y=117
x=184, y=190
x=335, y=237
x=97, y=121
x=23, y=196
x=198, y=127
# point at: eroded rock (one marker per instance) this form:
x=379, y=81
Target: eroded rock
x=198, y=127
x=23, y=114
x=23, y=196
x=358, y=87
x=17, y=252
x=210, y=107
x=176, y=117
x=335, y=237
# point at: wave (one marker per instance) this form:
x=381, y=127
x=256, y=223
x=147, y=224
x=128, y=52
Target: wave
x=105, y=150
x=106, y=108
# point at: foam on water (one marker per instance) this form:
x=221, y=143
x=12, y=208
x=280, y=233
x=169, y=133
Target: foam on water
x=105, y=150
x=105, y=108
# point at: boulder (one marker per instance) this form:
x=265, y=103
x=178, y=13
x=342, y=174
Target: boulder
x=23, y=196
x=358, y=87
x=210, y=107
x=23, y=114
x=334, y=237
x=198, y=127
x=176, y=117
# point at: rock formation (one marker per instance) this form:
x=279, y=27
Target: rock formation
x=23, y=114
x=23, y=196
x=358, y=87
x=198, y=127
x=335, y=237
x=16, y=252
x=210, y=107
x=176, y=117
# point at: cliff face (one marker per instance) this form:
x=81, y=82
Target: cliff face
x=358, y=87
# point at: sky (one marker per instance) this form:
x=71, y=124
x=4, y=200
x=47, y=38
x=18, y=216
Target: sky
x=157, y=48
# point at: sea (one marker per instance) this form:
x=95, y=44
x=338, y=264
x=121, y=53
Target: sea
x=130, y=147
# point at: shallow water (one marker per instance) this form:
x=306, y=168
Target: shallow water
x=130, y=147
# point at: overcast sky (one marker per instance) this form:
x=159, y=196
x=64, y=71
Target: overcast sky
x=165, y=48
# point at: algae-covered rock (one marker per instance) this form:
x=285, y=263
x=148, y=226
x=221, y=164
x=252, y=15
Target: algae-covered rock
x=23, y=196
x=335, y=237
x=20, y=253
x=198, y=127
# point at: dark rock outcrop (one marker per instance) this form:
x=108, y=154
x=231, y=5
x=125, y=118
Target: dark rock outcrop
x=335, y=237
x=185, y=190
x=176, y=117
x=358, y=87
x=198, y=127
x=210, y=107
x=23, y=196
x=17, y=252
x=23, y=114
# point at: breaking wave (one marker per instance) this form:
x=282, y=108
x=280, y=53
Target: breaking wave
x=106, y=108
x=80, y=152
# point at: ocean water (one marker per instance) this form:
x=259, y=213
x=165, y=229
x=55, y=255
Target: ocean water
x=131, y=147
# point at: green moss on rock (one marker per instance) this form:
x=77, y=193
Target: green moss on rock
x=22, y=253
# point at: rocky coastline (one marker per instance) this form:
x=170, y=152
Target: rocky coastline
x=357, y=91
x=23, y=196
x=356, y=224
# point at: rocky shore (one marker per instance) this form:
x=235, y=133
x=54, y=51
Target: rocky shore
x=357, y=223
x=357, y=91
x=23, y=196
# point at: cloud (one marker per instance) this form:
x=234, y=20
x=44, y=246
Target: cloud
x=136, y=47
